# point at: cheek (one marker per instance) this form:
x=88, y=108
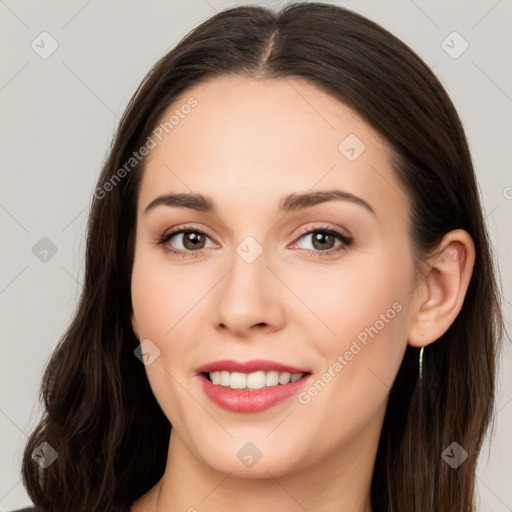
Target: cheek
x=160, y=297
x=347, y=301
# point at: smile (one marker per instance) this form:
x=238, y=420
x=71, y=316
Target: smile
x=255, y=380
x=251, y=386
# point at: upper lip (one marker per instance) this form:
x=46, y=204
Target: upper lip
x=249, y=366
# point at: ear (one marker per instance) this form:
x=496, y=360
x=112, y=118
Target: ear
x=440, y=295
x=135, y=326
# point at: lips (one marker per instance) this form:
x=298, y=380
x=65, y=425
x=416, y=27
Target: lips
x=250, y=366
x=251, y=400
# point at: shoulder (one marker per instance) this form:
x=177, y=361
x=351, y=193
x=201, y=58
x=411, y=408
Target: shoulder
x=27, y=509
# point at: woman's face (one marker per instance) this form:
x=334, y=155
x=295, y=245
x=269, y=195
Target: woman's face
x=265, y=282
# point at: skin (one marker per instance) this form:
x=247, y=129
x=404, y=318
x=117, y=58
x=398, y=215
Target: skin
x=248, y=143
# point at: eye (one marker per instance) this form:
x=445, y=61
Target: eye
x=323, y=239
x=191, y=238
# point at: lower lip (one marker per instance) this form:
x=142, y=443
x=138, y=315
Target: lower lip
x=250, y=400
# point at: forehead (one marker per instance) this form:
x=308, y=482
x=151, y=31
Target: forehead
x=246, y=138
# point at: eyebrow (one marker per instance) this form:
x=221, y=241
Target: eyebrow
x=289, y=203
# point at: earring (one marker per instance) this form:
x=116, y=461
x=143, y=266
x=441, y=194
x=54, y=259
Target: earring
x=421, y=363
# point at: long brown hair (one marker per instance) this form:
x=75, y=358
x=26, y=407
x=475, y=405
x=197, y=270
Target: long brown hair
x=100, y=414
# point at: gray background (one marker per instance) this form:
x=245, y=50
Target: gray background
x=59, y=115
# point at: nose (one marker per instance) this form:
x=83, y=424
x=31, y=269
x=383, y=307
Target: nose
x=250, y=297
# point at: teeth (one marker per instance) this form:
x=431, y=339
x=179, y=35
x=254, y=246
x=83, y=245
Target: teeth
x=238, y=380
x=224, y=378
x=256, y=380
x=284, y=377
x=272, y=378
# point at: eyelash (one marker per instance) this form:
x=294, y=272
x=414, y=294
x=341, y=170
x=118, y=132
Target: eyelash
x=346, y=241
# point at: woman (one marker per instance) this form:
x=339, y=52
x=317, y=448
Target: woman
x=287, y=263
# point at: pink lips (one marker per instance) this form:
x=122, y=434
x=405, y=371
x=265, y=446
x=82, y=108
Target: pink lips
x=250, y=400
x=249, y=366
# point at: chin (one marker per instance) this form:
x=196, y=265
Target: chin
x=247, y=459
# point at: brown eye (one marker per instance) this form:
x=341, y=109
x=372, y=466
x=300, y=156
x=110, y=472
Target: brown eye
x=193, y=240
x=323, y=241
